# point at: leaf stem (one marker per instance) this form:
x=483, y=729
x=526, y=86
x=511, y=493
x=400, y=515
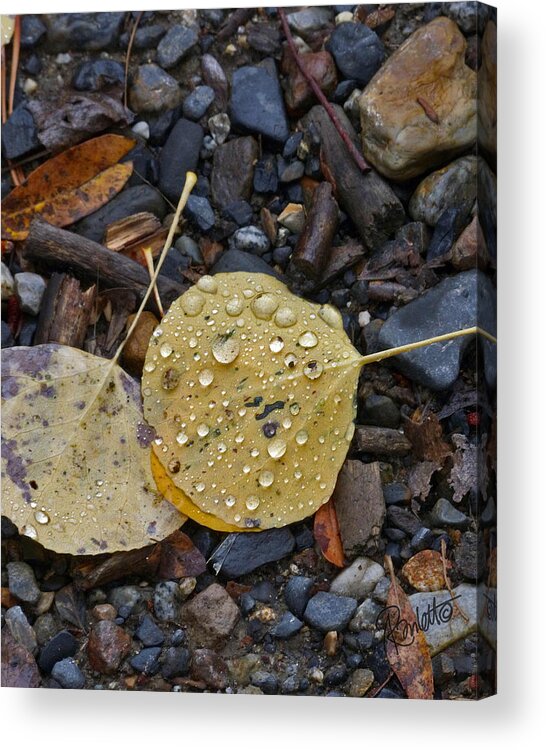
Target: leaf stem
x=189, y=184
x=386, y=353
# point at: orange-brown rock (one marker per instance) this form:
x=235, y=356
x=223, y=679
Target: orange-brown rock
x=469, y=249
x=419, y=110
x=487, y=87
x=298, y=95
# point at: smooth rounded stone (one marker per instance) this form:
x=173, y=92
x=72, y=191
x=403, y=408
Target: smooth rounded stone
x=293, y=218
x=210, y=617
x=396, y=492
x=20, y=628
x=32, y=31
x=146, y=661
x=104, y=612
x=250, y=239
x=287, y=626
x=61, y=646
x=266, y=681
x=422, y=539
x=82, y=31
x=239, y=211
x=30, y=288
x=21, y=580
x=107, y=646
x=130, y=201
x=209, y=667
x=336, y=675
x=94, y=75
x=447, y=626
x=264, y=591
x=8, y=283
x=188, y=246
x=146, y=37
x=127, y=600
x=381, y=411
x=233, y=171
x=68, y=674
x=293, y=171
x=297, y=593
x=445, y=514
x=357, y=50
x=449, y=306
x=309, y=19
x=167, y=600
x=281, y=255
x=247, y=552
x=449, y=187
x=153, y=90
x=359, y=579
x=257, y=104
x=177, y=43
x=291, y=145
x=200, y=212
x=176, y=662
x=399, y=139
x=236, y=260
x=45, y=627
x=327, y=611
x=365, y=617
x=179, y=155
x=469, y=556
x=196, y=104
x=149, y=633
x=298, y=94
x=247, y=603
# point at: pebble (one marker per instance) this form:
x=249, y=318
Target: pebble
x=146, y=661
x=422, y=539
x=239, y=211
x=33, y=65
x=336, y=675
x=21, y=630
x=290, y=685
x=200, y=212
x=264, y=591
x=399, y=139
x=287, y=626
x=309, y=19
x=293, y=218
x=82, y=31
x=8, y=284
x=357, y=50
x=381, y=590
x=328, y=611
x=266, y=179
x=453, y=186
x=298, y=95
x=127, y=600
x=448, y=627
x=291, y=172
x=403, y=519
x=257, y=104
x=381, y=411
x=45, y=626
x=19, y=133
x=297, y=593
x=196, y=104
x=107, y=646
x=153, y=90
x=448, y=306
x=103, y=612
x=176, y=45
x=209, y=667
x=265, y=681
x=176, y=662
x=30, y=288
x=61, y=646
x=232, y=171
x=236, y=260
x=359, y=579
x=21, y=579
x=179, y=155
x=149, y=633
x=250, y=551
x=220, y=127
x=94, y=75
x=167, y=600
x=250, y=239
x=146, y=37
x=365, y=616
x=68, y=674
x=32, y=31
x=445, y=514
x=211, y=617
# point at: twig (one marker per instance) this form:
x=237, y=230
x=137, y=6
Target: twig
x=15, y=47
x=128, y=55
x=448, y=583
x=357, y=156
x=147, y=252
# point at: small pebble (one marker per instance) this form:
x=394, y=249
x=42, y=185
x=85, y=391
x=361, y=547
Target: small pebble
x=68, y=674
x=30, y=288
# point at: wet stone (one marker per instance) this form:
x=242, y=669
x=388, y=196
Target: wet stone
x=365, y=617
x=22, y=582
x=422, y=539
x=237, y=260
x=445, y=514
x=210, y=617
x=250, y=551
x=449, y=226
x=176, y=662
x=94, y=75
x=210, y=667
x=19, y=133
x=265, y=681
x=396, y=492
x=196, y=104
x=336, y=675
x=177, y=43
x=127, y=600
x=449, y=187
x=287, y=626
x=200, y=212
x=107, y=646
x=20, y=628
x=146, y=37
x=232, y=171
x=32, y=31
x=250, y=239
x=82, y=31
x=359, y=579
x=256, y=103
x=68, y=674
x=292, y=171
x=149, y=633
x=266, y=179
x=327, y=611
x=61, y=646
x=309, y=19
x=153, y=90
x=357, y=50
x=45, y=626
x=178, y=156
x=30, y=288
x=146, y=661
x=167, y=600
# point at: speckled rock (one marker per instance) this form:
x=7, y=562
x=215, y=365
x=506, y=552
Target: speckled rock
x=30, y=288
x=399, y=139
x=154, y=90
x=327, y=611
x=177, y=43
x=68, y=674
x=21, y=630
x=210, y=617
x=22, y=582
x=107, y=646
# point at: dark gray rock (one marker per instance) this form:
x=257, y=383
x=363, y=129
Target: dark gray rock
x=179, y=155
x=130, y=201
x=161, y=126
x=59, y=647
x=287, y=626
x=200, y=212
x=82, y=31
x=32, y=65
x=239, y=211
x=448, y=227
x=19, y=133
x=94, y=75
x=396, y=492
x=127, y=600
x=146, y=37
x=196, y=104
x=456, y=302
x=264, y=591
x=297, y=593
x=21, y=629
x=450, y=187
x=266, y=681
x=381, y=411
x=422, y=539
x=32, y=31
x=246, y=552
x=469, y=556
x=257, y=103
x=154, y=90
x=177, y=43
x=236, y=260
x=327, y=611
x=357, y=50
x=7, y=336
x=176, y=662
x=68, y=674
x=309, y=19
x=292, y=171
x=445, y=514
x=403, y=519
x=232, y=171
x=147, y=660
x=250, y=239
x=266, y=179
x=22, y=582
x=149, y=633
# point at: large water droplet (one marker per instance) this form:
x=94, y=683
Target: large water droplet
x=206, y=377
x=221, y=447
x=181, y=438
x=276, y=344
x=277, y=448
x=234, y=306
x=230, y=501
x=200, y=486
x=202, y=429
x=207, y=284
x=29, y=531
x=41, y=517
x=174, y=466
x=149, y=367
x=266, y=478
x=294, y=409
x=192, y=303
x=264, y=306
x=308, y=340
x=302, y=437
x=291, y=360
x=252, y=502
x=225, y=349
x=165, y=350
x=285, y=317
x=313, y=370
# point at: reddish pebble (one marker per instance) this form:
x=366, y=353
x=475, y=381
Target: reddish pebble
x=108, y=645
x=103, y=612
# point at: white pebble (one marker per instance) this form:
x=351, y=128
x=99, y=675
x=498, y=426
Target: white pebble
x=63, y=58
x=142, y=129
x=30, y=86
x=364, y=318
x=345, y=17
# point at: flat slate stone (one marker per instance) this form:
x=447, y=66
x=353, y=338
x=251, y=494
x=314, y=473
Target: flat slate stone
x=242, y=553
x=257, y=103
x=237, y=260
x=178, y=156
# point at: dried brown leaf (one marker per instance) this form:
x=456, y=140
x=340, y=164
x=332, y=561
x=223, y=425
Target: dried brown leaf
x=427, y=437
x=464, y=474
x=326, y=531
x=419, y=479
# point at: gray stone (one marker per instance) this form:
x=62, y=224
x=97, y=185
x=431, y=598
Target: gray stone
x=167, y=600
x=127, y=600
x=21, y=630
x=146, y=661
x=30, y=288
x=381, y=590
x=449, y=187
x=62, y=645
x=209, y=667
x=211, y=616
x=154, y=90
x=309, y=19
x=250, y=239
x=94, y=75
x=380, y=411
x=196, y=104
x=179, y=155
x=199, y=210
x=265, y=681
x=445, y=514
x=149, y=633
x=21, y=580
x=327, y=611
x=357, y=50
x=237, y=260
x=176, y=662
x=220, y=127
x=177, y=43
x=448, y=626
x=257, y=103
x=365, y=617
x=457, y=302
x=242, y=553
x=7, y=336
x=32, y=31
x=297, y=593
x=68, y=674
x=287, y=626
x=45, y=627
x=188, y=246
x=82, y=31
x=19, y=133
x=360, y=682
x=359, y=579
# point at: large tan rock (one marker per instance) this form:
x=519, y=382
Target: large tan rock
x=487, y=87
x=419, y=110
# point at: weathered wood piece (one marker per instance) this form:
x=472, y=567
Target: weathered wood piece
x=315, y=242
x=360, y=506
x=381, y=441
x=66, y=312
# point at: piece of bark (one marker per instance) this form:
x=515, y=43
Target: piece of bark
x=341, y=258
x=153, y=241
x=360, y=506
x=65, y=313
x=51, y=247
x=315, y=242
x=390, y=291
x=123, y=303
x=90, y=572
x=381, y=441
x=369, y=200
x=130, y=229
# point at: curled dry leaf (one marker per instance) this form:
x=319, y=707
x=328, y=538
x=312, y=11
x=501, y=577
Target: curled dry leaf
x=427, y=437
x=69, y=186
x=75, y=453
x=425, y=571
x=251, y=392
x=326, y=531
